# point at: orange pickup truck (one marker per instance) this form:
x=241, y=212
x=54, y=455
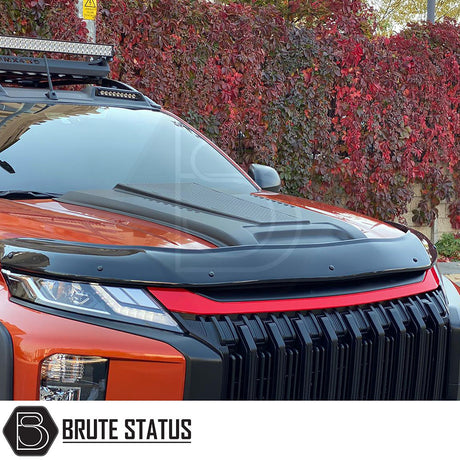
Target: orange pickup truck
x=139, y=262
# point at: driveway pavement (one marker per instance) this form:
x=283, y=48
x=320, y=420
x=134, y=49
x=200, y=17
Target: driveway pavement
x=451, y=270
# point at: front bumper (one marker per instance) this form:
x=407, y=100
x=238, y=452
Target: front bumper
x=148, y=364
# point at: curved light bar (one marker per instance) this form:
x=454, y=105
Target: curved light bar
x=56, y=46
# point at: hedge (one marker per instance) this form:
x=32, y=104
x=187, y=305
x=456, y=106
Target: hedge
x=346, y=116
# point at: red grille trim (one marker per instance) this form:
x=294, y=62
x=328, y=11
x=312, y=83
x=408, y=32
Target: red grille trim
x=183, y=301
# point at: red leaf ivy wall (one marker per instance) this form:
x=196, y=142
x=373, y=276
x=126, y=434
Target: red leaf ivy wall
x=345, y=116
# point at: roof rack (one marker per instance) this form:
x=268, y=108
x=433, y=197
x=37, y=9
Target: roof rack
x=46, y=73
x=39, y=72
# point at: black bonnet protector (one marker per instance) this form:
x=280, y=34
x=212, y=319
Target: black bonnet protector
x=259, y=241
x=218, y=217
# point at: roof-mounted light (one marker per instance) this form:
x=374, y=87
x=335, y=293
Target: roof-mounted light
x=56, y=46
x=119, y=94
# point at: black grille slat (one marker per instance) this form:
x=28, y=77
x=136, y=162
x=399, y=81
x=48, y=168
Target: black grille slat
x=291, y=374
x=250, y=362
x=318, y=372
x=390, y=350
x=387, y=360
x=420, y=350
x=306, y=359
x=427, y=381
x=235, y=380
x=357, y=351
x=365, y=369
x=342, y=370
x=263, y=382
x=440, y=325
x=400, y=360
x=379, y=348
x=409, y=364
x=279, y=352
x=332, y=346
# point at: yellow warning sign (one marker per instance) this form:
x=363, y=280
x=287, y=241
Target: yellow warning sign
x=89, y=9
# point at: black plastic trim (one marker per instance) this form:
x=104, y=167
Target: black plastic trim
x=29, y=69
x=396, y=349
x=6, y=364
x=363, y=258
x=430, y=246
x=453, y=370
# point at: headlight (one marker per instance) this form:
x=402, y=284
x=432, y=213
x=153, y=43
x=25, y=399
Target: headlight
x=115, y=303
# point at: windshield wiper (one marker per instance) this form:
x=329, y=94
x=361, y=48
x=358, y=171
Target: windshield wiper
x=7, y=167
x=26, y=194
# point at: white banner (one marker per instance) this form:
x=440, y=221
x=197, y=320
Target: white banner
x=228, y=430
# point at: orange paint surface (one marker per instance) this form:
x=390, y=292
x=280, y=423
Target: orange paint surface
x=140, y=367
x=50, y=219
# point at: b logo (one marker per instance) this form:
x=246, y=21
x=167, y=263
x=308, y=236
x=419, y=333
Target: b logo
x=30, y=430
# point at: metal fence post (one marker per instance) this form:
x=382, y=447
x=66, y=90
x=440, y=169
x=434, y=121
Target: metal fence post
x=87, y=10
x=431, y=11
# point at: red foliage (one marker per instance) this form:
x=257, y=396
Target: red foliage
x=399, y=112
x=205, y=63
x=42, y=18
x=346, y=117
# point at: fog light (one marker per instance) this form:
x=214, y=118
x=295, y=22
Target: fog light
x=73, y=378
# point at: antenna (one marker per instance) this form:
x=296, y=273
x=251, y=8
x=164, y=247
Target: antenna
x=51, y=94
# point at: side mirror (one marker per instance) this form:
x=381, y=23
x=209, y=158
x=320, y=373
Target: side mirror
x=265, y=177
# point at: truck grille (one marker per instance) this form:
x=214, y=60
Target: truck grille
x=390, y=350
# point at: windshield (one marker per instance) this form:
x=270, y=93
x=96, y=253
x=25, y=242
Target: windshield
x=59, y=148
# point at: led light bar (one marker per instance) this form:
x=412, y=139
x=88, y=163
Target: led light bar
x=55, y=46
x=119, y=94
